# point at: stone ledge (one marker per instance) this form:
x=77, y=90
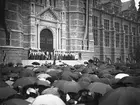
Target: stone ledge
x=11, y=47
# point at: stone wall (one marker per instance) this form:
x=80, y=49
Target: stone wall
x=13, y=54
x=16, y=16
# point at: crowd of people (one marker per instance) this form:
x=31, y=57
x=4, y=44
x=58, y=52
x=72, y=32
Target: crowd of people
x=91, y=83
x=44, y=55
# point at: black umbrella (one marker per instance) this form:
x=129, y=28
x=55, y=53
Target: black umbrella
x=36, y=63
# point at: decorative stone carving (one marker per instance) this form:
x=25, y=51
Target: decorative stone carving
x=48, y=16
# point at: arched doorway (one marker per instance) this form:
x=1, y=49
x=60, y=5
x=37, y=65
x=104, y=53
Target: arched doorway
x=46, y=40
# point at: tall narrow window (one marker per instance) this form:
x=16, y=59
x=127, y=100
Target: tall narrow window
x=106, y=24
x=134, y=40
x=126, y=41
x=107, y=42
x=117, y=27
x=95, y=21
x=117, y=40
x=95, y=35
x=133, y=30
x=126, y=29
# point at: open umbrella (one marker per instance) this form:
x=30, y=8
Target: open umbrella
x=54, y=74
x=40, y=69
x=84, y=81
x=69, y=76
x=106, y=75
x=13, y=75
x=48, y=99
x=16, y=102
x=43, y=75
x=121, y=75
x=127, y=81
x=27, y=73
x=121, y=96
x=51, y=90
x=3, y=84
x=24, y=81
x=43, y=83
x=58, y=83
x=36, y=63
x=57, y=70
x=70, y=86
x=108, y=81
x=17, y=69
x=99, y=88
x=5, y=92
x=30, y=67
x=93, y=77
x=6, y=70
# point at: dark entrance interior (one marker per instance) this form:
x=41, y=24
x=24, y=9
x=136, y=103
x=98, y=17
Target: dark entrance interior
x=46, y=40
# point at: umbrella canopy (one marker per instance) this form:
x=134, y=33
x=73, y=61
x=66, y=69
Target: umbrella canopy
x=43, y=83
x=70, y=86
x=48, y=99
x=69, y=76
x=17, y=69
x=84, y=81
x=26, y=73
x=30, y=67
x=24, y=81
x=15, y=102
x=36, y=63
x=5, y=92
x=54, y=74
x=58, y=83
x=43, y=75
x=121, y=75
x=108, y=81
x=93, y=77
x=137, y=80
x=40, y=69
x=128, y=80
x=3, y=84
x=7, y=70
x=49, y=70
x=99, y=88
x=106, y=75
x=121, y=96
x=13, y=75
x=53, y=91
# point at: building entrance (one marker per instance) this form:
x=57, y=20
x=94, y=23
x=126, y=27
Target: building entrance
x=46, y=40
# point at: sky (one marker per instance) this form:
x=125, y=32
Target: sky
x=136, y=1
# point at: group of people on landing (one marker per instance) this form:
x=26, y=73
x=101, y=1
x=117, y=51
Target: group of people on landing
x=44, y=55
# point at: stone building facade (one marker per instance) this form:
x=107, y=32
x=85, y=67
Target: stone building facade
x=94, y=28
